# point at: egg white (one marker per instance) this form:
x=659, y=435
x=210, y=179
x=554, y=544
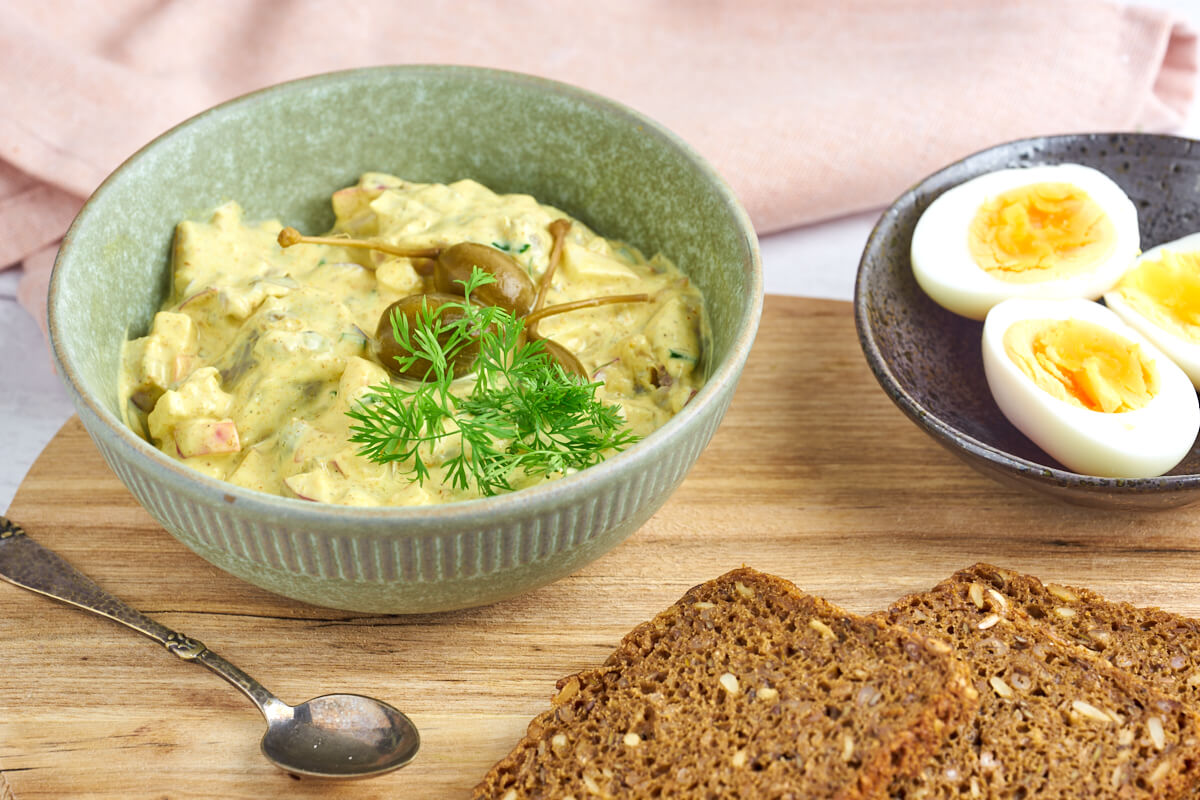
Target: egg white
x=1183, y=352
x=946, y=271
x=1142, y=443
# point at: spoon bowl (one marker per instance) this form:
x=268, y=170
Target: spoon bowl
x=340, y=735
x=332, y=736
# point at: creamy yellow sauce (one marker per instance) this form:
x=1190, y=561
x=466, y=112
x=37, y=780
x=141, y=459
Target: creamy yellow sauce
x=252, y=363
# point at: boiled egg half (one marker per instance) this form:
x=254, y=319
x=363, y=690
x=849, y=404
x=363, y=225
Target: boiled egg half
x=1049, y=232
x=1160, y=296
x=1088, y=389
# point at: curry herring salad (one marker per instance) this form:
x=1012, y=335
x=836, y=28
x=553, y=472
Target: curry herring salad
x=442, y=342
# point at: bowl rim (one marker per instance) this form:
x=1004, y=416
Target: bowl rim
x=943, y=432
x=424, y=519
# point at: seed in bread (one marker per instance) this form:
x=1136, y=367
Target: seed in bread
x=745, y=688
x=1161, y=647
x=1054, y=721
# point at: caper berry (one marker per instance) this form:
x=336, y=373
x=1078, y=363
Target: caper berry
x=565, y=358
x=387, y=349
x=513, y=290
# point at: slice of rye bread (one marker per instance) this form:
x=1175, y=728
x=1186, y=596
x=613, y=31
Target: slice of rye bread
x=1161, y=647
x=745, y=688
x=1054, y=720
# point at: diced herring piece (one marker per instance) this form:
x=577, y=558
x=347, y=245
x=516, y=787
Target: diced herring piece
x=166, y=355
x=201, y=437
x=198, y=398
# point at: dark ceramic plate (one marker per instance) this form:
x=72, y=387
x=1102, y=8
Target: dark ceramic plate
x=928, y=359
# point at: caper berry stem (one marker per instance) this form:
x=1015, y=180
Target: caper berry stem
x=558, y=230
x=291, y=236
x=534, y=317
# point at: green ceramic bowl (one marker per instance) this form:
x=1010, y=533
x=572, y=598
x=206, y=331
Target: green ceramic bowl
x=281, y=152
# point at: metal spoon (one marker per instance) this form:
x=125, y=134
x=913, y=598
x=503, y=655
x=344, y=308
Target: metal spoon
x=333, y=736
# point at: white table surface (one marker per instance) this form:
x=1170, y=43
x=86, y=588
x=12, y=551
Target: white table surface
x=812, y=261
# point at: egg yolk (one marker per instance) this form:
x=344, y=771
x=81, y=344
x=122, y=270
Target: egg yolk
x=1167, y=292
x=1083, y=363
x=1040, y=231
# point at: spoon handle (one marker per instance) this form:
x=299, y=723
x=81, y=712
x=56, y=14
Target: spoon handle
x=29, y=565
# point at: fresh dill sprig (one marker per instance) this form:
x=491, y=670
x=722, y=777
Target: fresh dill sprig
x=524, y=414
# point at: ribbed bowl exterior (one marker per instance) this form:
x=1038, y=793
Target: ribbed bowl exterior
x=384, y=568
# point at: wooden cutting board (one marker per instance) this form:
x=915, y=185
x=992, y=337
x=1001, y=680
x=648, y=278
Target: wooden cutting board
x=814, y=475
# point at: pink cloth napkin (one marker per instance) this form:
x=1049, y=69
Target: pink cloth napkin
x=810, y=109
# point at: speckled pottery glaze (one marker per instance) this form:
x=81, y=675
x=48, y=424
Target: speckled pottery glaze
x=281, y=152
x=928, y=360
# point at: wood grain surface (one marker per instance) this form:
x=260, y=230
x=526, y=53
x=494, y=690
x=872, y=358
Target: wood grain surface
x=814, y=476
